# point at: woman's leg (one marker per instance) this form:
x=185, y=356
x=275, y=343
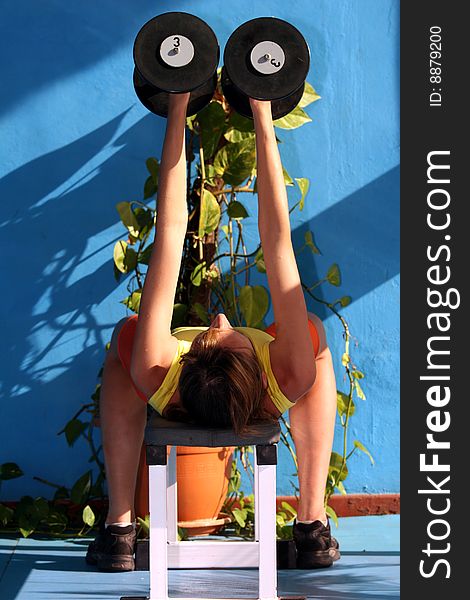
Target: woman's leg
x=312, y=422
x=123, y=417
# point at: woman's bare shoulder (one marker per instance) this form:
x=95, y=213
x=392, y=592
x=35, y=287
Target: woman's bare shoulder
x=150, y=380
x=290, y=384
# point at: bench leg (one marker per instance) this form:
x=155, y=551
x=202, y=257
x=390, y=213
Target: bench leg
x=265, y=464
x=172, y=498
x=158, y=557
x=256, y=496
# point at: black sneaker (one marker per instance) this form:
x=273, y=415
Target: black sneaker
x=113, y=548
x=316, y=548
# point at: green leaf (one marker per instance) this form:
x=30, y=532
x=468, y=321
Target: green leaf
x=153, y=167
x=198, y=274
x=145, y=524
x=336, y=465
x=209, y=215
x=362, y=448
x=235, y=479
x=201, y=312
x=359, y=392
x=336, y=460
x=254, y=303
x=293, y=120
x=150, y=187
x=151, y=184
x=236, y=210
x=210, y=175
x=237, y=121
x=235, y=162
x=259, y=260
x=10, y=470
x=146, y=221
x=42, y=507
x=26, y=531
x=81, y=489
x=6, y=515
x=234, y=135
x=224, y=229
x=117, y=272
x=190, y=122
x=57, y=521
x=289, y=508
x=179, y=314
x=332, y=514
x=345, y=301
x=211, y=125
x=61, y=493
x=342, y=403
x=310, y=242
x=341, y=488
x=133, y=301
x=304, y=185
x=28, y=515
x=88, y=516
x=73, y=430
x=345, y=359
x=128, y=218
x=240, y=516
x=357, y=374
x=284, y=533
x=125, y=258
x=308, y=96
x=144, y=256
x=287, y=178
x=334, y=275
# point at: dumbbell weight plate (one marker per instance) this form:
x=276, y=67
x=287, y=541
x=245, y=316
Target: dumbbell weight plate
x=241, y=103
x=188, y=65
x=267, y=59
x=156, y=100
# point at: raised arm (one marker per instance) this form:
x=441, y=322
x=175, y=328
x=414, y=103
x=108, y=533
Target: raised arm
x=154, y=346
x=292, y=347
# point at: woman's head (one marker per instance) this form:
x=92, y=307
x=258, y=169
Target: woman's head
x=221, y=382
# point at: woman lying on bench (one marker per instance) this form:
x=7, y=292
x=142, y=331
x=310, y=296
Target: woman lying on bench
x=220, y=375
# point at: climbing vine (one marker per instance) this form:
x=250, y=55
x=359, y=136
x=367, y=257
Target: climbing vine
x=215, y=276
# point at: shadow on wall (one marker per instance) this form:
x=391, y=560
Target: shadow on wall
x=362, y=234
x=57, y=253
x=60, y=277
x=52, y=40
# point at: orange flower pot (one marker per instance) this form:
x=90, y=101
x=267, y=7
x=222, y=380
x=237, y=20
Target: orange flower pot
x=203, y=476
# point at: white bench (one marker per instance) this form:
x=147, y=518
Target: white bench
x=165, y=551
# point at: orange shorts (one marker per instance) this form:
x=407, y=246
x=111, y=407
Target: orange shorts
x=313, y=334
x=126, y=341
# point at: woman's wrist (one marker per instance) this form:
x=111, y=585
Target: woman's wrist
x=262, y=114
x=261, y=108
x=178, y=103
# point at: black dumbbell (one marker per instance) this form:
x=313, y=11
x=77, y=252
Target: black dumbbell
x=175, y=52
x=266, y=59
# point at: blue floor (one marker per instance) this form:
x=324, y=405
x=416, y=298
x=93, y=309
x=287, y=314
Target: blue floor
x=47, y=570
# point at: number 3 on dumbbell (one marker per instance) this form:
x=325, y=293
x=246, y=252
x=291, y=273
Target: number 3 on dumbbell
x=173, y=53
x=265, y=58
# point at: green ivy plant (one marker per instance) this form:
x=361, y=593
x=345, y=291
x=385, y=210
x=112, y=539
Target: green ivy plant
x=215, y=276
x=217, y=264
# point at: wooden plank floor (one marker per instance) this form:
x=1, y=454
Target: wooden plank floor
x=48, y=570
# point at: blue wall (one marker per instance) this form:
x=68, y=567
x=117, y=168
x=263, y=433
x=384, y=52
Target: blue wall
x=74, y=142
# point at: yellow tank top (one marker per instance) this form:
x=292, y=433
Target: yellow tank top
x=185, y=335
